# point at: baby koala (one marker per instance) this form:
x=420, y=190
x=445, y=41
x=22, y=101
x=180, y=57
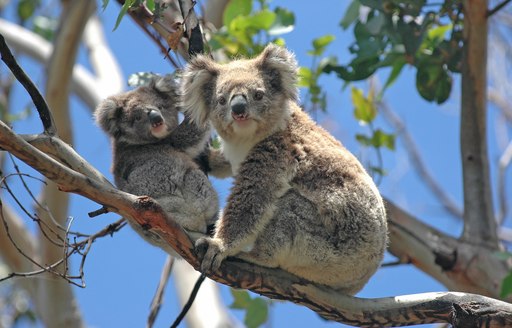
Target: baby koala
x=154, y=155
x=300, y=200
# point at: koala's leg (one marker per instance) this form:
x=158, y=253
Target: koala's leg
x=298, y=241
x=277, y=241
x=201, y=197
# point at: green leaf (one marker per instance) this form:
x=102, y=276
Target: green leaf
x=395, y=71
x=26, y=9
x=305, y=77
x=151, y=5
x=506, y=286
x=438, y=33
x=375, y=24
x=358, y=69
x=382, y=139
x=323, y=41
x=364, y=109
x=215, y=143
x=257, y=313
x=262, y=20
x=124, y=9
x=236, y=8
x=242, y=299
x=351, y=14
x=433, y=81
x=104, y=4
x=378, y=170
x=364, y=140
x=45, y=26
x=284, y=22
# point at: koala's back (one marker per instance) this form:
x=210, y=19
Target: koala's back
x=329, y=226
x=172, y=178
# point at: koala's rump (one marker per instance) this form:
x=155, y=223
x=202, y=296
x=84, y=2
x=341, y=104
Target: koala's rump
x=297, y=240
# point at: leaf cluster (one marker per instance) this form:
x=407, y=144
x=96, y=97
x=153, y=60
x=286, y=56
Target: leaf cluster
x=256, y=308
x=30, y=15
x=393, y=33
x=247, y=29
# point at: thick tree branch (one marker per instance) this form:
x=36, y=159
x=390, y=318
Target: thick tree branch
x=479, y=221
x=83, y=84
x=56, y=300
x=458, y=265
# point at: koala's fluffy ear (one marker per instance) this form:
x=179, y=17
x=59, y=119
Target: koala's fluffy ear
x=198, y=88
x=280, y=66
x=164, y=84
x=107, y=115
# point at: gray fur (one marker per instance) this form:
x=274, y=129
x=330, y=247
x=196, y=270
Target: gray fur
x=157, y=160
x=300, y=200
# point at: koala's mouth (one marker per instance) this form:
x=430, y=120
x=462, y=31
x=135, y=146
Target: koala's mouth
x=240, y=117
x=157, y=124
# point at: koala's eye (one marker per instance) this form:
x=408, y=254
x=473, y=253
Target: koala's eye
x=221, y=101
x=137, y=117
x=258, y=95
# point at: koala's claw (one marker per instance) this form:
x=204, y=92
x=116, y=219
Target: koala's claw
x=210, y=253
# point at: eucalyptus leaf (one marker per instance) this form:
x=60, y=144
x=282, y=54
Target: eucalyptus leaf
x=257, y=313
x=351, y=15
x=283, y=23
x=236, y=8
x=242, y=299
x=104, y=4
x=364, y=109
x=506, y=286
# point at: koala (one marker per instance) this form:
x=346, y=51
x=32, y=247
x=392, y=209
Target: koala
x=300, y=201
x=154, y=155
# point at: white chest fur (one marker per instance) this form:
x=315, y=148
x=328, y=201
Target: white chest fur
x=235, y=153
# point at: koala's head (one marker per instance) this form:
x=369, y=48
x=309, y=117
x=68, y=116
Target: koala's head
x=244, y=98
x=143, y=115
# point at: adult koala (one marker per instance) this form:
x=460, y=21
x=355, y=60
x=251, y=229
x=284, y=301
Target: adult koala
x=300, y=200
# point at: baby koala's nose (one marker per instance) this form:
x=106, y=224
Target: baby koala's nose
x=238, y=104
x=155, y=117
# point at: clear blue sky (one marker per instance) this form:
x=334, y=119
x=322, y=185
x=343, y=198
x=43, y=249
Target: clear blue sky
x=122, y=272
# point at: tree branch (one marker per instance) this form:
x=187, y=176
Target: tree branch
x=418, y=162
x=56, y=300
x=37, y=98
x=479, y=221
x=157, y=299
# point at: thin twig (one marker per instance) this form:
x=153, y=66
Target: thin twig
x=418, y=162
x=156, y=303
x=37, y=98
x=497, y=8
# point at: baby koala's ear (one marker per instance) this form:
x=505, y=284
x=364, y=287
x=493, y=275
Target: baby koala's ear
x=107, y=116
x=164, y=84
x=280, y=67
x=198, y=87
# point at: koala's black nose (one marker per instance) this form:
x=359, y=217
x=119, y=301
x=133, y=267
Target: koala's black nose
x=238, y=104
x=155, y=117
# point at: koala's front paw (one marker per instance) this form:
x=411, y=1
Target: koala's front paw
x=211, y=253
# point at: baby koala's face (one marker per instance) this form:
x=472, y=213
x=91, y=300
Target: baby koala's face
x=140, y=116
